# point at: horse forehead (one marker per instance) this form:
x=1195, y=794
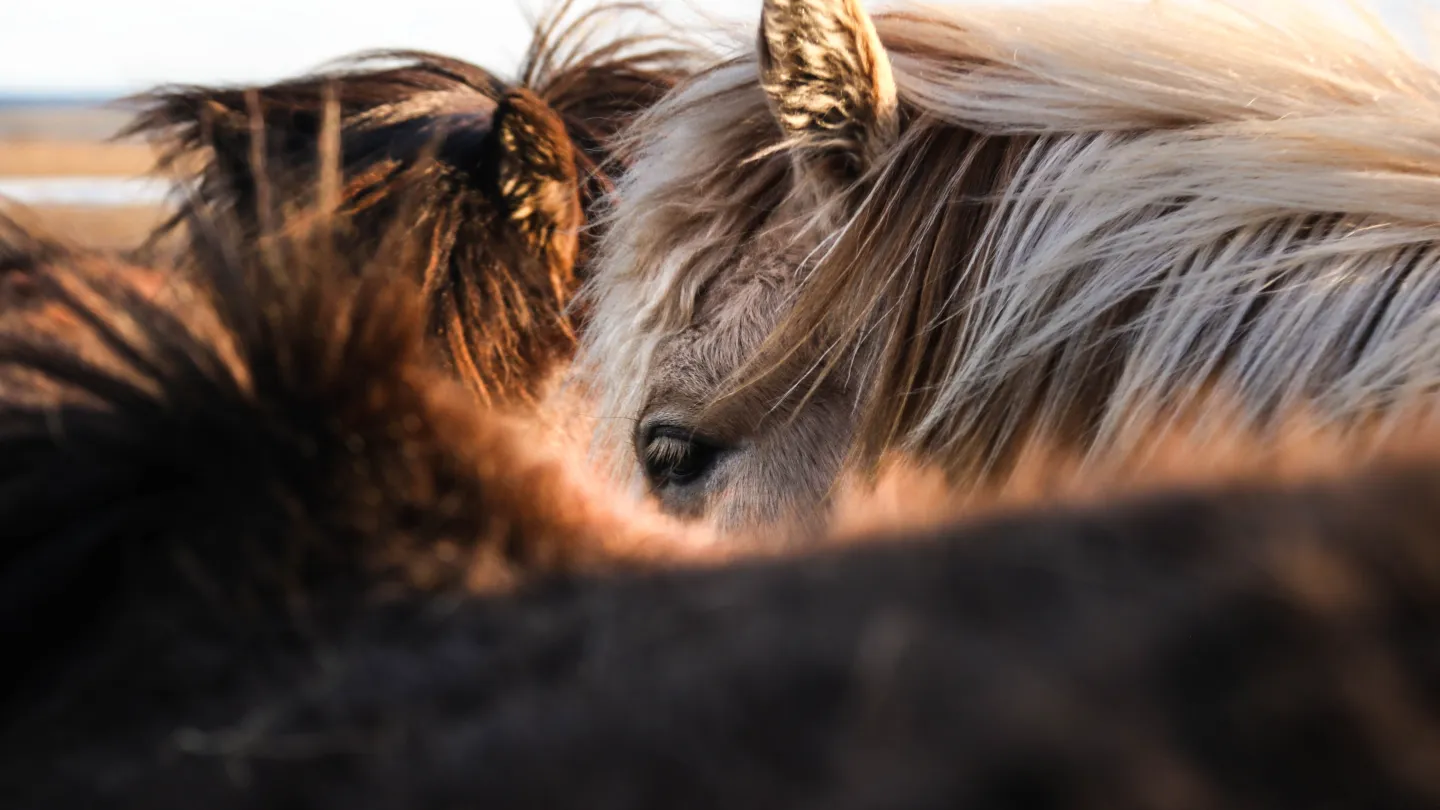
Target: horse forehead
x=732, y=316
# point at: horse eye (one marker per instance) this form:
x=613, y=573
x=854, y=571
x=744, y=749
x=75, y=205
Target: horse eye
x=674, y=456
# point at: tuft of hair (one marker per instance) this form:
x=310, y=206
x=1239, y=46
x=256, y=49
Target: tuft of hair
x=1086, y=213
x=24, y=246
x=495, y=176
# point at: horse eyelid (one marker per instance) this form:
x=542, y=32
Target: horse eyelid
x=667, y=450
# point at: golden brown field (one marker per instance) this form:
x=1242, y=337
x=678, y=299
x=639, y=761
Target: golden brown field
x=73, y=158
x=74, y=142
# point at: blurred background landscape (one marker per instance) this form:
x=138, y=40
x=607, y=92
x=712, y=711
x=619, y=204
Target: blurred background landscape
x=55, y=158
x=65, y=64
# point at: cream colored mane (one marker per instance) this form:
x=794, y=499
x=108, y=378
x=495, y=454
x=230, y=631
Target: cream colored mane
x=1094, y=212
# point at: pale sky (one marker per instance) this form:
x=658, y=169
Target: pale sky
x=63, y=45
x=128, y=45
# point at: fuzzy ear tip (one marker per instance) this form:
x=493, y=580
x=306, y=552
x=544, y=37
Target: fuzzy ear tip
x=827, y=74
x=535, y=170
x=529, y=142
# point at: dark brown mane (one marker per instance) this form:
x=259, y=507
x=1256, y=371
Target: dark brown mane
x=498, y=254
x=23, y=248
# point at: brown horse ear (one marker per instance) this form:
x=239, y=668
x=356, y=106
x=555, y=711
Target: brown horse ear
x=829, y=83
x=535, y=173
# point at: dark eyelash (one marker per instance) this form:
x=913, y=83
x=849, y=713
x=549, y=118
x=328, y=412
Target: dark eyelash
x=674, y=455
x=668, y=450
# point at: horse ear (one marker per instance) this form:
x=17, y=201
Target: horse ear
x=829, y=83
x=535, y=173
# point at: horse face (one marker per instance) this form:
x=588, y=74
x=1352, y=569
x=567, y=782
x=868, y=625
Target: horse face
x=708, y=444
x=765, y=454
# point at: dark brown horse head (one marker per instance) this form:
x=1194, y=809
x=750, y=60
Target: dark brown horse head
x=493, y=180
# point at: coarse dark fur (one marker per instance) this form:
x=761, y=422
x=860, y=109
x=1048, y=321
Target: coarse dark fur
x=1247, y=649
x=248, y=457
x=258, y=561
x=496, y=178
